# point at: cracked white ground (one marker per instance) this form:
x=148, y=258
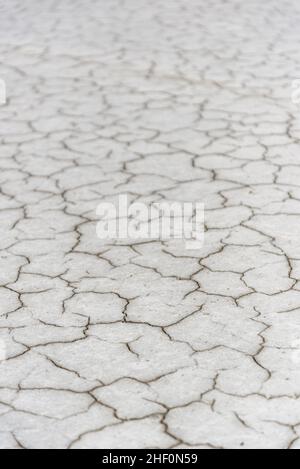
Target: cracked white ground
x=149, y=345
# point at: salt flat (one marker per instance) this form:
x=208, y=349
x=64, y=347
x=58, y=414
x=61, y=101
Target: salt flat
x=146, y=344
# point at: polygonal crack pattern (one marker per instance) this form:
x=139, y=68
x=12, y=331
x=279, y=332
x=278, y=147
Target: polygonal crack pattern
x=147, y=344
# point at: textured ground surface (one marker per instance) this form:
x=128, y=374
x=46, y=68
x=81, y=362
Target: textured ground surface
x=150, y=345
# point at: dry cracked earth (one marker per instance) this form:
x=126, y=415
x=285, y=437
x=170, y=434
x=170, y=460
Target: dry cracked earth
x=145, y=344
